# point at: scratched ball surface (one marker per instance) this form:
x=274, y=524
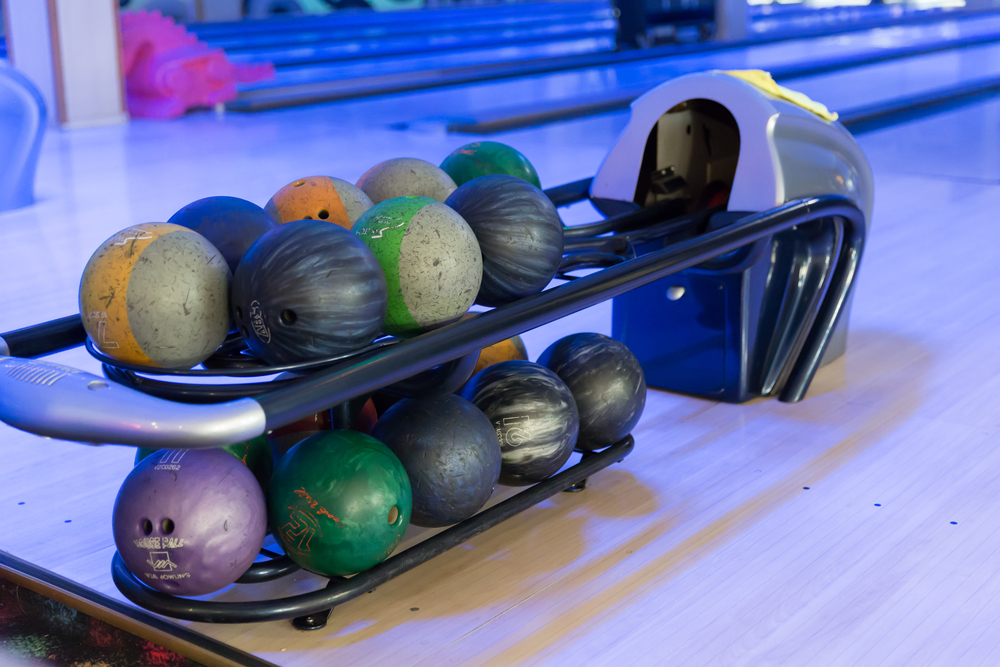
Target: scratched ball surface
x=189, y=522
x=308, y=290
x=406, y=177
x=319, y=198
x=534, y=415
x=450, y=452
x=339, y=502
x=157, y=295
x=431, y=261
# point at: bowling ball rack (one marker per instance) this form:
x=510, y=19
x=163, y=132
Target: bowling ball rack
x=432, y=360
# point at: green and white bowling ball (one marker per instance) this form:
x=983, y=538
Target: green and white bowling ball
x=431, y=259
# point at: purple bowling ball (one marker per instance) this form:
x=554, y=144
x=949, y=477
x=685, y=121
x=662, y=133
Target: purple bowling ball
x=189, y=522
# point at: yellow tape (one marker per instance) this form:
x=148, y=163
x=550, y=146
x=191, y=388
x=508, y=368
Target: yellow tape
x=763, y=80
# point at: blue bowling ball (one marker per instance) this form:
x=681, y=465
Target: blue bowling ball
x=229, y=223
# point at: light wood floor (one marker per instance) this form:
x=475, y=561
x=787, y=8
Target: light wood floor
x=859, y=527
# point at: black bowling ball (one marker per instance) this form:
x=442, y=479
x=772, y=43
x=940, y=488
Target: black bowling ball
x=450, y=452
x=607, y=383
x=308, y=290
x=520, y=235
x=534, y=415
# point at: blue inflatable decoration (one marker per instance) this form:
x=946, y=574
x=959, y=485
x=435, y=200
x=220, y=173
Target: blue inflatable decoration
x=22, y=123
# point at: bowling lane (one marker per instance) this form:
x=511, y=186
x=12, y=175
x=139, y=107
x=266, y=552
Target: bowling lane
x=942, y=146
x=382, y=64
x=642, y=74
x=875, y=84
x=851, y=89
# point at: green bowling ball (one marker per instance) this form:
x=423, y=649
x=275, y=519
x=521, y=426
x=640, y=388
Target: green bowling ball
x=255, y=453
x=339, y=502
x=431, y=259
x=485, y=158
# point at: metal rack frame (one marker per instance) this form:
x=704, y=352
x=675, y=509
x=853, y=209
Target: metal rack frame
x=338, y=382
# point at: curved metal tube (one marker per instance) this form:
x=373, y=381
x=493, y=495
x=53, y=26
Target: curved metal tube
x=267, y=570
x=352, y=379
x=830, y=309
x=250, y=369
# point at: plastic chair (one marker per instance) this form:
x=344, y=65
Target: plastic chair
x=22, y=123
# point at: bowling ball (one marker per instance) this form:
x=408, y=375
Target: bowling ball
x=607, y=383
x=340, y=502
x=450, y=452
x=485, y=158
x=255, y=454
x=308, y=290
x=406, y=177
x=229, y=223
x=156, y=295
x=319, y=198
x=431, y=261
x=505, y=350
x=533, y=414
x=189, y=522
x=519, y=232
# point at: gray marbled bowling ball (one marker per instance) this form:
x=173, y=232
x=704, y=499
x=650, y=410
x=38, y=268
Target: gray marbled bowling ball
x=534, y=415
x=519, y=232
x=307, y=290
x=607, y=383
x=450, y=452
x=406, y=177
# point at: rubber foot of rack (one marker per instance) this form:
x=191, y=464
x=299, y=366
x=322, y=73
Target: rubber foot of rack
x=576, y=488
x=312, y=621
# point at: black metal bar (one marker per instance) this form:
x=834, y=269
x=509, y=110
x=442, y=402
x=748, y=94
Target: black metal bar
x=191, y=392
x=582, y=484
x=317, y=620
x=685, y=226
x=268, y=570
x=570, y=193
x=830, y=311
x=354, y=378
x=348, y=589
x=45, y=338
x=589, y=260
x=626, y=222
x=251, y=369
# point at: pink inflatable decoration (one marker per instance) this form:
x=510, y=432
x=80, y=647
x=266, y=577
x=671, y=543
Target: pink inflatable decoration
x=168, y=71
